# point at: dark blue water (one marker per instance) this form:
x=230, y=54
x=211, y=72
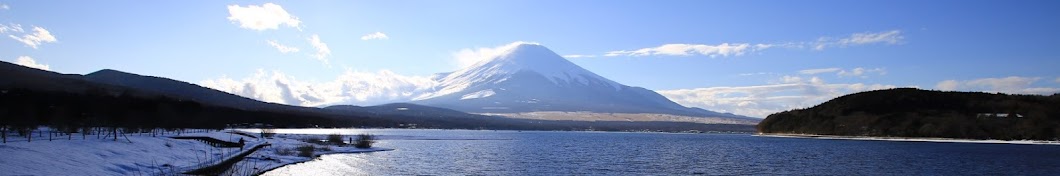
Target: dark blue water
x=441, y=152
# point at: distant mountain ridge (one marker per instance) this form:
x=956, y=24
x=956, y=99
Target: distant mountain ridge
x=175, y=88
x=530, y=77
x=183, y=90
x=20, y=76
x=31, y=97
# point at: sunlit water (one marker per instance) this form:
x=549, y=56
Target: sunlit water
x=462, y=152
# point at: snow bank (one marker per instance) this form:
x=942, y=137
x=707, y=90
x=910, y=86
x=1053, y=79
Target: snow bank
x=271, y=157
x=143, y=155
x=146, y=155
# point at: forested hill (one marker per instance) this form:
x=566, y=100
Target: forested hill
x=31, y=97
x=908, y=112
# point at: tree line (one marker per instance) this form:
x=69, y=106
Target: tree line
x=24, y=110
x=908, y=112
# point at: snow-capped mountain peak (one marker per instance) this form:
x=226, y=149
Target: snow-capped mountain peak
x=527, y=77
x=520, y=58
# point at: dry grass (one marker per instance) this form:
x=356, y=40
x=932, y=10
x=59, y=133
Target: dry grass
x=364, y=141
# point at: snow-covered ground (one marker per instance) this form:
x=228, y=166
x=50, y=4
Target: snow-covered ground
x=144, y=154
x=272, y=157
x=869, y=138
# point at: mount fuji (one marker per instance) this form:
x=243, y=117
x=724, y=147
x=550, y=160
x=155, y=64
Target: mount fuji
x=529, y=77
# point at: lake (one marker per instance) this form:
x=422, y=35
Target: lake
x=469, y=152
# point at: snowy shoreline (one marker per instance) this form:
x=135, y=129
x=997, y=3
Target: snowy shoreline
x=270, y=158
x=277, y=166
x=905, y=139
x=146, y=154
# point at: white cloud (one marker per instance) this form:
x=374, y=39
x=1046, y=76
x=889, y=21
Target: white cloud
x=5, y=7
x=322, y=49
x=724, y=50
x=468, y=56
x=861, y=72
x=818, y=71
x=38, y=37
x=571, y=56
x=888, y=37
x=375, y=36
x=856, y=72
x=785, y=93
x=738, y=49
x=17, y=28
x=1010, y=85
x=615, y=53
x=754, y=74
x=760, y=101
x=282, y=48
x=790, y=79
x=891, y=37
x=816, y=80
x=352, y=87
x=29, y=62
x=759, y=47
x=948, y=85
x=264, y=17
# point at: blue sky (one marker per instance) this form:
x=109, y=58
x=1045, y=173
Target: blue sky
x=794, y=54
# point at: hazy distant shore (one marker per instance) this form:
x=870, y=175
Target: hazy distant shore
x=908, y=139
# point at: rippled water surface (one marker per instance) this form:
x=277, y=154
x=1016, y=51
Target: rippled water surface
x=462, y=152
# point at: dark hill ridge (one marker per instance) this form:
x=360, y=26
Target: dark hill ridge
x=20, y=76
x=178, y=89
x=908, y=112
x=32, y=97
x=187, y=91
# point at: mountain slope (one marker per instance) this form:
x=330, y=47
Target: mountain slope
x=183, y=90
x=17, y=76
x=176, y=89
x=31, y=97
x=530, y=77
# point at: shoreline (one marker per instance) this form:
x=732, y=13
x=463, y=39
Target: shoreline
x=332, y=130
x=274, y=167
x=271, y=158
x=905, y=139
x=160, y=154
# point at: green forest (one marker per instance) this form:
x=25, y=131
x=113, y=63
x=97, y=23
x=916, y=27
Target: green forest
x=909, y=112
